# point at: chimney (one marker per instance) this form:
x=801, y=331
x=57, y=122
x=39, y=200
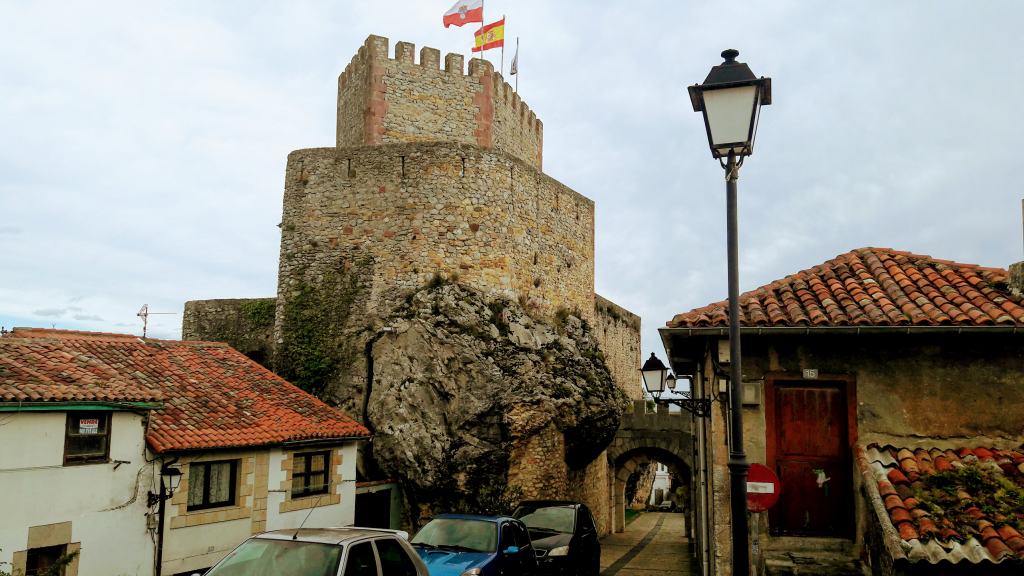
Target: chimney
x=1017, y=270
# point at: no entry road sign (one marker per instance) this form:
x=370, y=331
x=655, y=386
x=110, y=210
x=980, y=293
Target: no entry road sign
x=763, y=488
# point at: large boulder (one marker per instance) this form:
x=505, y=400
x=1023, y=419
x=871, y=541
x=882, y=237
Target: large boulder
x=463, y=380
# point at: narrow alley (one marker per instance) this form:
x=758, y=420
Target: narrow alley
x=651, y=545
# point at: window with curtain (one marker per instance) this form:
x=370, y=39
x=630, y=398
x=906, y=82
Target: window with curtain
x=310, y=473
x=212, y=484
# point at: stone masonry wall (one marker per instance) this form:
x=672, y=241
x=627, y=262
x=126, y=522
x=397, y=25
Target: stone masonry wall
x=618, y=331
x=384, y=100
x=246, y=324
x=417, y=210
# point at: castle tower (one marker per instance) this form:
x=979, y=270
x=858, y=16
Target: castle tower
x=435, y=172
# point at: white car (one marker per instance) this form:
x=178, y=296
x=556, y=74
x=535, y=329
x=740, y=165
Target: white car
x=323, y=552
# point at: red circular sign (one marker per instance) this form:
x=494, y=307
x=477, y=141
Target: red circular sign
x=763, y=488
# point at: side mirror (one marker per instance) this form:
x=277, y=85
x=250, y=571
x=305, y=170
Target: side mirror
x=512, y=550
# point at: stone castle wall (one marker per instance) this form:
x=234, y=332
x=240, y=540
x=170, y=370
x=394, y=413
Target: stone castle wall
x=384, y=100
x=418, y=210
x=244, y=323
x=618, y=331
x=436, y=173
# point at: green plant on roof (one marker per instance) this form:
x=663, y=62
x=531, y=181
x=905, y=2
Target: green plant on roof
x=948, y=495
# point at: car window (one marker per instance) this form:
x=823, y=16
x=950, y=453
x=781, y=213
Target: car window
x=266, y=556
x=586, y=520
x=361, y=561
x=522, y=538
x=459, y=533
x=394, y=560
x=508, y=536
x=553, y=518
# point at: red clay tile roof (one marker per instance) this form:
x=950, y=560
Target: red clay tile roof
x=874, y=287
x=38, y=370
x=213, y=395
x=961, y=532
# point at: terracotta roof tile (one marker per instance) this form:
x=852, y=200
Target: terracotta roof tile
x=213, y=396
x=966, y=532
x=873, y=287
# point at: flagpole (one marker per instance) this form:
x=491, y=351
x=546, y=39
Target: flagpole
x=483, y=22
x=502, y=44
x=517, y=64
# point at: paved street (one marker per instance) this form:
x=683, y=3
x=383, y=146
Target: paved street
x=652, y=545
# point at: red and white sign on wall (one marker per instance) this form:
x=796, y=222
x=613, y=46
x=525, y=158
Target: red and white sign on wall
x=763, y=488
x=88, y=425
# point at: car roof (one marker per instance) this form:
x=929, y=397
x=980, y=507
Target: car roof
x=483, y=517
x=550, y=503
x=328, y=535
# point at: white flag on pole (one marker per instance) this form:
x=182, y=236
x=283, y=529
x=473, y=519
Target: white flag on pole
x=515, y=61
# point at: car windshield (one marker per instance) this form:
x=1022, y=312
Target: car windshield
x=459, y=534
x=265, y=557
x=553, y=518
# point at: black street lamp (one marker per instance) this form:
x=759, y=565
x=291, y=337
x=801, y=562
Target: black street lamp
x=170, y=477
x=730, y=99
x=657, y=378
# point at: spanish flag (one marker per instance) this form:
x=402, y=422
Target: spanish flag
x=490, y=36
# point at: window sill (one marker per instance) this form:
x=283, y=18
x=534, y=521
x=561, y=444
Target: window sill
x=211, y=516
x=75, y=463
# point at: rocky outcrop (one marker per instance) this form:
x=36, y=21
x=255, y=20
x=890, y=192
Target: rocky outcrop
x=462, y=382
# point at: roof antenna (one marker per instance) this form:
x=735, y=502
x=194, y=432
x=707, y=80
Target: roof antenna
x=315, y=504
x=144, y=313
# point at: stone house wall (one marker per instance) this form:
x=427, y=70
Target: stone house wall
x=911, y=389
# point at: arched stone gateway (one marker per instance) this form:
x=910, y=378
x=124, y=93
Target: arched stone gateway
x=643, y=438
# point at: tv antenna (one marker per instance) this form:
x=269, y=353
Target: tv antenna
x=144, y=313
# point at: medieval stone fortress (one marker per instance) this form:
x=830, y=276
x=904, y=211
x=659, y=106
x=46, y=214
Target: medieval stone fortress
x=441, y=287
x=435, y=345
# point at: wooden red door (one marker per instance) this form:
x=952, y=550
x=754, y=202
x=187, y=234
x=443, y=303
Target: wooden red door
x=812, y=459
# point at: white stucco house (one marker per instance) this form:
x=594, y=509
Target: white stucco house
x=90, y=421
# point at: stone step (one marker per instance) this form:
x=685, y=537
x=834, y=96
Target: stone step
x=812, y=564
x=786, y=544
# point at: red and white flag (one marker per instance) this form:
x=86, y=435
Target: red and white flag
x=464, y=12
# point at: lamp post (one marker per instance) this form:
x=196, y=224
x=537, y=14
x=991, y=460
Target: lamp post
x=657, y=378
x=170, y=477
x=730, y=99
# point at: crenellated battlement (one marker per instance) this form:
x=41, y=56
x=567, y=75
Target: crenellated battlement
x=387, y=98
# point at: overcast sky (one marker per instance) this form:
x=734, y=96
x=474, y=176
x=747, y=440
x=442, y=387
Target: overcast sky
x=143, y=145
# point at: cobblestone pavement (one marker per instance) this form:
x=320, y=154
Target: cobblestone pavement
x=652, y=545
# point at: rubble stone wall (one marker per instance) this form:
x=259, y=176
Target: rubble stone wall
x=389, y=100
x=246, y=324
x=420, y=210
x=618, y=331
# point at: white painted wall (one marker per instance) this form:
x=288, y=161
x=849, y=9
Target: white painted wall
x=37, y=489
x=341, y=514
x=197, y=547
x=194, y=547
x=663, y=480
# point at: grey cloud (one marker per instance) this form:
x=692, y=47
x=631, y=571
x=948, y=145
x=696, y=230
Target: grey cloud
x=50, y=312
x=87, y=318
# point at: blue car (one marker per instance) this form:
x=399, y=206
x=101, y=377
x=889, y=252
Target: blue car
x=473, y=545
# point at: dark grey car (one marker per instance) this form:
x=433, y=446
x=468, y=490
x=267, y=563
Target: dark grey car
x=564, y=535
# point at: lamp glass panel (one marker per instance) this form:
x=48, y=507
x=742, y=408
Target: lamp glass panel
x=729, y=112
x=671, y=382
x=654, y=380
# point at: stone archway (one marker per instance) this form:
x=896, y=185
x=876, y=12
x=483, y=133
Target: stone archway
x=625, y=462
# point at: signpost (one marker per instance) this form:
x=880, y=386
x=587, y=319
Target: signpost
x=763, y=488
